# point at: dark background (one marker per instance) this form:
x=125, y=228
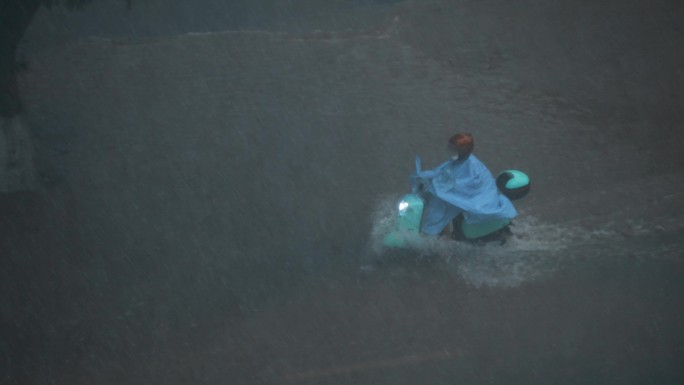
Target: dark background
x=214, y=181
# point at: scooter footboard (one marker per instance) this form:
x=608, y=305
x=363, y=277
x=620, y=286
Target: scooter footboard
x=477, y=230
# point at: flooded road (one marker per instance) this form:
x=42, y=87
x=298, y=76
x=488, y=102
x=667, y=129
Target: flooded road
x=210, y=198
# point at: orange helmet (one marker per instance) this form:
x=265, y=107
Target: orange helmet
x=463, y=144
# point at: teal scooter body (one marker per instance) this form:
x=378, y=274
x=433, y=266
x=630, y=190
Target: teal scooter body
x=409, y=219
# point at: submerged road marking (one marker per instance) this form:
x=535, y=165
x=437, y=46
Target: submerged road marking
x=386, y=363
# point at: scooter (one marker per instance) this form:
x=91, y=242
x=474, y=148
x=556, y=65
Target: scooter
x=514, y=184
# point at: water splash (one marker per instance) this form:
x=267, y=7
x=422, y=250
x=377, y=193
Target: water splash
x=535, y=250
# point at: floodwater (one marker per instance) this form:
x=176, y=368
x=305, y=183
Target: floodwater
x=215, y=188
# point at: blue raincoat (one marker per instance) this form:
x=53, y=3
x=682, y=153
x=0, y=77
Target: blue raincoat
x=458, y=186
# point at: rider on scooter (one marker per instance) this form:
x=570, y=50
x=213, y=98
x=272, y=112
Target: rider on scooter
x=460, y=189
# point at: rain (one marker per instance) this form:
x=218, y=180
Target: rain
x=198, y=192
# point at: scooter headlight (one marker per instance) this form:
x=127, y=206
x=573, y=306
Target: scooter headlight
x=403, y=207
